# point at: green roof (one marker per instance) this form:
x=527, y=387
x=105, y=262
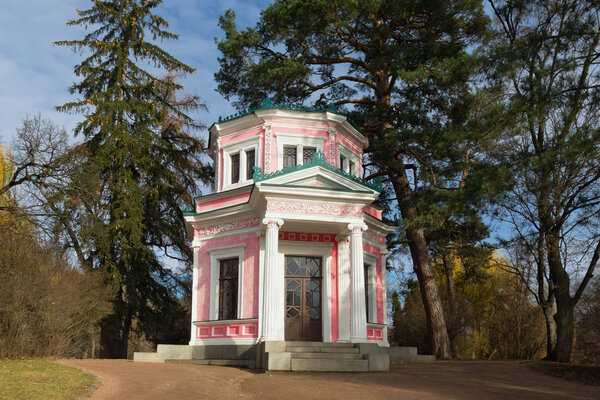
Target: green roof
x=267, y=104
x=318, y=160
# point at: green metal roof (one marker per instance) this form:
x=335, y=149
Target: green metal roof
x=318, y=160
x=268, y=104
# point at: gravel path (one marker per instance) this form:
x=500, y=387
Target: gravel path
x=121, y=379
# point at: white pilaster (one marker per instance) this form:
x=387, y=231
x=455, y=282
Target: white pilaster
x=273, y=287
x=358, y=320
x=194, y=292
x=343, y=280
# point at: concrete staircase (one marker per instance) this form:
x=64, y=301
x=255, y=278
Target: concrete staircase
x=223, y=363
x=320, y=356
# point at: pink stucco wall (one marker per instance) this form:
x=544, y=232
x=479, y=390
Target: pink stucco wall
x=249, y=274
x=224, y=202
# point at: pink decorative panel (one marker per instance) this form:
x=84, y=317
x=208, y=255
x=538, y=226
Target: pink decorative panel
x=227, y=227
x=374, y=333
x=235, y=330
x=373, y=212
x=224, y=202
x=319, y=209
x=307, y=237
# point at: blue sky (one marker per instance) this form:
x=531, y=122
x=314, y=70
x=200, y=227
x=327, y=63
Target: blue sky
x=36, y=75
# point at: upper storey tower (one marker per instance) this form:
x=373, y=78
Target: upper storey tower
x=273, y=137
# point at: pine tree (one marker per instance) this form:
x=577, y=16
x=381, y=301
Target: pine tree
x=126, y=107
x=401, y=68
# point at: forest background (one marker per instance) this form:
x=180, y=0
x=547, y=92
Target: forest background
x=487, y=86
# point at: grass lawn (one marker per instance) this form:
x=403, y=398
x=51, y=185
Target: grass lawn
x=581, y=373
x=41, y=379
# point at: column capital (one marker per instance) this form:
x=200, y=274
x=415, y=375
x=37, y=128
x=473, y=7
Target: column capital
x=357, y=228
x=272, y=222
x=342, y=238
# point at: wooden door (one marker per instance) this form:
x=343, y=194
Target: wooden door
x=303, y=300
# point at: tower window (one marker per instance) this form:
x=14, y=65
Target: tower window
x=289, y=156
x=235, y=168
x=228, y=288
x=250, y=162
x=307, y=154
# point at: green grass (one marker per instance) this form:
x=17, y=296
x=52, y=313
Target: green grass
x=581, y=373
x=41, y=379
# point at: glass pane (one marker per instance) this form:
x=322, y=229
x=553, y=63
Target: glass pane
x=289, y=156
x=229, y=268
x=250, y=162
x=291, y=266
x=292, y=312
x=235, y=168
x=307, y=154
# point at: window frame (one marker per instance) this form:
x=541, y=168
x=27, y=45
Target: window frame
x=221, y=283
x=241, y=147
x=216, y=256
x=370, y=262
x=298, y=141
x=350, y=157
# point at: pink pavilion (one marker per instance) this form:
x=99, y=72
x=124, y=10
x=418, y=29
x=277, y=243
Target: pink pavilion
x=289, y=250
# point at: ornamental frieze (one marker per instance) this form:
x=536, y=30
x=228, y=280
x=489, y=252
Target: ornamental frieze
x=227, y=227
x=320, y=209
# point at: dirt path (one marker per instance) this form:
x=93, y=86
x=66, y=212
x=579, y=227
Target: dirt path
x=442, y=380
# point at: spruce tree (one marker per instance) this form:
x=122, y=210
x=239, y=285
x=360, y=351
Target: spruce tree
x=144, y=162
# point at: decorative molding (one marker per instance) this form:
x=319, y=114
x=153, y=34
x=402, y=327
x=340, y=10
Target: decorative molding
x=268, y=134
x=375, y=238
x=307, y=208
x=332, y=145
x=318, y=160
x=374, y=332
x=307, y=237
x=227, y=227
x=226, y=329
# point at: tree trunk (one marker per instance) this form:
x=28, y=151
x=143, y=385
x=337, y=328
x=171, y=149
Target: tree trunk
x=549, y=310
x=434, y=312
x=451, y=319
x=114, y=330
x=561, y=285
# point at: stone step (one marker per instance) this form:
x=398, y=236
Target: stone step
x=345, y=356
x=320, y=349
x=318, y=344
x=339, y=365
x=224, y=363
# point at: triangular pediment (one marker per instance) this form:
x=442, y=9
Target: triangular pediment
x=318, y=177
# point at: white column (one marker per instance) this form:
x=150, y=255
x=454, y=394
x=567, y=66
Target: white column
x=358, y=320
x=194, y=292
x=343, y=262
x=273, y=287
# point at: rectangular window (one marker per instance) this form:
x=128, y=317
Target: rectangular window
x=289, y=156
x=342, y=163
x=235, y=168
x=250, y=163
x=367, y=286
x=228, y=288
x=307, y=154
x=352, y=168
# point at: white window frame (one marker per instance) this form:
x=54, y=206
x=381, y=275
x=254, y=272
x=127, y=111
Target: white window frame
x=370, y=261
x=216, y=255
x=234, y=148
x=349, y=155
x=298, y=142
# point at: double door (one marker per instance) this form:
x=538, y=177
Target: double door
x=303, y=298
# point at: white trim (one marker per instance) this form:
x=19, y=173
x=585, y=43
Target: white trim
x=216, y=255
x=298, y=141
x=240, y=147
x=349, y=155
x=194, y=315
x=313, y=249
